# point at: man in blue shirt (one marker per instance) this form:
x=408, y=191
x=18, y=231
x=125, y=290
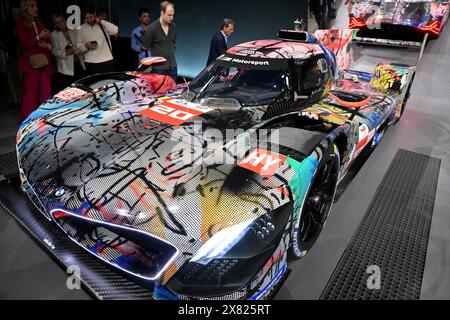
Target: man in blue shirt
x=137, y=37
x=219, y=43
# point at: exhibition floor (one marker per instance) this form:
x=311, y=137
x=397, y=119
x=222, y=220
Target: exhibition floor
x=27, y=272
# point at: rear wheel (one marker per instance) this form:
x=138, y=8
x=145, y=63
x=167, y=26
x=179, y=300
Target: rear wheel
x=317, y=205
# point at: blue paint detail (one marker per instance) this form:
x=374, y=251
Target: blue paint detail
x=365, y=76
x=93, y=249
x=374, y=119
x=124, y=261
x=95, y=117
x=161, y=292
x=84, y=205
x=377, y=138
x=272, y=282
x=49, y=107
x=310, y=38
x=331, y=59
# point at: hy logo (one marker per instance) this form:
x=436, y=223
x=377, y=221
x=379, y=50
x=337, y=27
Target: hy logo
x=263, y=162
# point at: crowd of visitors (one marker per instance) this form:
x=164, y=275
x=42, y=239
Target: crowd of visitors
x=50, y=61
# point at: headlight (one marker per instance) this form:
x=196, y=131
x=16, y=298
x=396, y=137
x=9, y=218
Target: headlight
x=232, y=257
x=221, y=243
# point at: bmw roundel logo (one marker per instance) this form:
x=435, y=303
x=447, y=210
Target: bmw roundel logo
x=59, y=192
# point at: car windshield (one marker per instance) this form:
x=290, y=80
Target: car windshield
x=249, y=85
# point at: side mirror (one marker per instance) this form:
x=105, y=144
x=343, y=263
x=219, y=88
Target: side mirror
x=151, y=61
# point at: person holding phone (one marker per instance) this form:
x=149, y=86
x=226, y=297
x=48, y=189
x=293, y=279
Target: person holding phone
x=69, y=60
x=94, y=41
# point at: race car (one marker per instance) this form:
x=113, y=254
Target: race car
x=406, y=17
x=205, y=189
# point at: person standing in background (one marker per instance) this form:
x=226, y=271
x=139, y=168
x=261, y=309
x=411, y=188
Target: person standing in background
x=94, y=41
x=137, y=36
x=219, y=43
x=10, y=38
x=160, y=39
x=319, y=10
x=10, y=41
x=69, y=60
x=35, y=58
x=332, y=11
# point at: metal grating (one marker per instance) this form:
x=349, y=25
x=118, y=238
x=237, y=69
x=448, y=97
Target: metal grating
x=96, y=278
x=393, y=235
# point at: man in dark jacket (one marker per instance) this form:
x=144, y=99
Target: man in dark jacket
x=160, y=39
x=319, y=10
x=219, y=43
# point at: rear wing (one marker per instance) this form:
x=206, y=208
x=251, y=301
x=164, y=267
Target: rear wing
x=392, y=43
x=389, y=42
x=364, y=54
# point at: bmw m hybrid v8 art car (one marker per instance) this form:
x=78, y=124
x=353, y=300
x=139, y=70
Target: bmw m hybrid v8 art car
x=126, y=163
x=400, y=16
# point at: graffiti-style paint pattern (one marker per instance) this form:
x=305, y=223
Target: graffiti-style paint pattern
x=121, y=162
x=339, y=42
x=421, y=16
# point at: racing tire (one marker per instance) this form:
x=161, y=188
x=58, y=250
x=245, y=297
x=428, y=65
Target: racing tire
x=317, y=205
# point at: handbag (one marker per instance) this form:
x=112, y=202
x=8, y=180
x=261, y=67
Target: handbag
x=38, y=60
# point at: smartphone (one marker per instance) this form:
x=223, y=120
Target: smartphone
x=94, y=42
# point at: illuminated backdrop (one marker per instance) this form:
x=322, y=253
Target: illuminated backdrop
x=199, y=20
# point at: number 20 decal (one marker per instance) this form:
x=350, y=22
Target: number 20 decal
x=172, y=113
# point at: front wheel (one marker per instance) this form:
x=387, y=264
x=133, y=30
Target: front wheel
x=317, y=205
